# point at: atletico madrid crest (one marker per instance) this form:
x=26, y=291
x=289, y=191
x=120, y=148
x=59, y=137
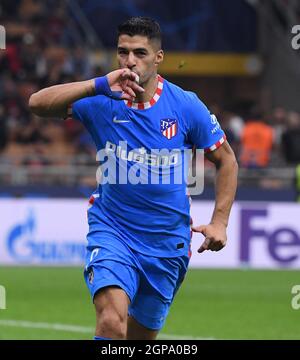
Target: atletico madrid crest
x=168, y=127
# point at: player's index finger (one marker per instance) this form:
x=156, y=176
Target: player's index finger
x=126, y=74
x=133, y=76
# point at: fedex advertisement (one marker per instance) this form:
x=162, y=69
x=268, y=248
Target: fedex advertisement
x=260, y=235
x=53, y=232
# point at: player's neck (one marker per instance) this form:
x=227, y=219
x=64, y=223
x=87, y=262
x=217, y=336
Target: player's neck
x=150, y=88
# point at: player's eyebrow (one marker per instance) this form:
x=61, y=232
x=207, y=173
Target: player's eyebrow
x=141, y=49
x=120, y=48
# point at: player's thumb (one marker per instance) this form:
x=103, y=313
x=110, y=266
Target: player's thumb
x=204, y=246
x=200, y=229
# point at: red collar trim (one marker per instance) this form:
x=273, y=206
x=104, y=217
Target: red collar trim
x=148, y=104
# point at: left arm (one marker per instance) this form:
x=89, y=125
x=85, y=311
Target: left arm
x=226, y=184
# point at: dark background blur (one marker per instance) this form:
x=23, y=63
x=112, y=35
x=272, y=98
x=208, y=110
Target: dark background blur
x=235, y=54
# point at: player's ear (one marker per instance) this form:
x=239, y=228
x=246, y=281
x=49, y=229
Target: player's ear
x=159, y=57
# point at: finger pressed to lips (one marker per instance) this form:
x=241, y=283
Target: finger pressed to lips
x=137, y=79
x=130, y=75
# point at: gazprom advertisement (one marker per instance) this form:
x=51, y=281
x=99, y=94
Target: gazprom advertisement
x=53, y=232
x=43, y=232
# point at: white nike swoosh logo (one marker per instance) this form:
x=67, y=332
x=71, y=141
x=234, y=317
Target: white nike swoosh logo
x=115, y=120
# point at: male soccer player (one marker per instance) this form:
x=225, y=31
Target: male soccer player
x=139, y=231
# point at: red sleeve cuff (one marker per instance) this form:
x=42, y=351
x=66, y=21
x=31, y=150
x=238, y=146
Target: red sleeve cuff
x=216, y=145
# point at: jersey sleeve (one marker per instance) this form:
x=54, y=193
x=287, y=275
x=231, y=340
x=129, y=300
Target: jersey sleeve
x=81, y=110
x=204, y=129
x=90, y=111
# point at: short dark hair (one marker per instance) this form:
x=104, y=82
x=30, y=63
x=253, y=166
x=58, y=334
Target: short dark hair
x=143, y=26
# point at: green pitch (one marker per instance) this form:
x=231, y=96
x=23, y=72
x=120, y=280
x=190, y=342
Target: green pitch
x=53, y=303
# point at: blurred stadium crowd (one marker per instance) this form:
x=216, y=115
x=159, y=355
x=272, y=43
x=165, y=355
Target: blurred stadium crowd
x=41, y=52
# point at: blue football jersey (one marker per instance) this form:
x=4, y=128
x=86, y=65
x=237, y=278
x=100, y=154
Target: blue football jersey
x=141, y=148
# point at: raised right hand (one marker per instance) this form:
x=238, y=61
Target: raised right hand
x=126, y=82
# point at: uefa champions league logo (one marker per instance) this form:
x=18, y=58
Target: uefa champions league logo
x=2, y=38
x=2, y=298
